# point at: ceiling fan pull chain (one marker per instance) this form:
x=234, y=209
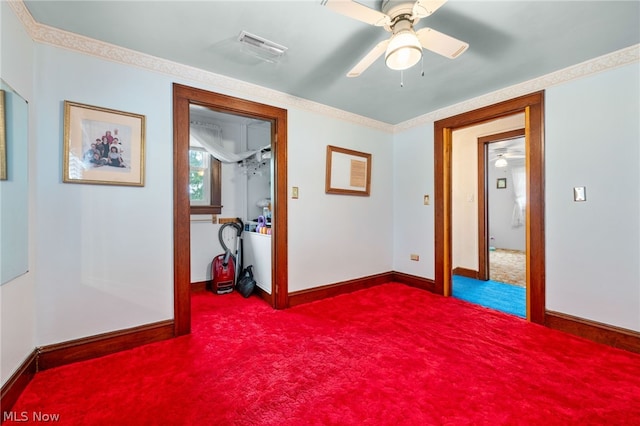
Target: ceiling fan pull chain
x=401, y=78
x=423, y=65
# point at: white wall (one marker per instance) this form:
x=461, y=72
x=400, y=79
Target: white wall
x=593, y=247
x=464, y=197
x=17, y=297
x=104, y=253
x=95, y=279
x=413, y=230
x=413, y=224
x=501, y=203
x=258, y=184
x=334, y=238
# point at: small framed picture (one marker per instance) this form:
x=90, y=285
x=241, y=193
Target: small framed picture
x=348, y=172
x=501, y=183
x=103, y=146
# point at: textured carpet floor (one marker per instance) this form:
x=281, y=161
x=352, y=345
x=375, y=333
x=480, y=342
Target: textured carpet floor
x=389, y=355
x=508, y=266
x=491, y=294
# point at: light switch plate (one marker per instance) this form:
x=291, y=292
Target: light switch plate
x=294, y=192
x=426, y=200
x=580, y=193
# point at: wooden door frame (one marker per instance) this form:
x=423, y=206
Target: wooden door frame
x=533, y=107
x=483, y=200
x=183, y=97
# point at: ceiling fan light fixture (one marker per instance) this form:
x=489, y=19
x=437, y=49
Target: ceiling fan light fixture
x=404, y=49
x=501, y=162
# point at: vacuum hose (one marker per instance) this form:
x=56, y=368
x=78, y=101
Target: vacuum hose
x=237, y=256
x=239, y=226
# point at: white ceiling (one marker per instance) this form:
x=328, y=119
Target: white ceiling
x=510, y=42
x=513, y=150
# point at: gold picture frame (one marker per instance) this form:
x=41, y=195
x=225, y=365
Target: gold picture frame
x=103, y=146
x=3, y=139
x=348, y=172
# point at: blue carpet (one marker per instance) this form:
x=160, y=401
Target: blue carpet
x=491, y=294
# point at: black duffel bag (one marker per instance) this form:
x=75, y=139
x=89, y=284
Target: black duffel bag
x=246, y=284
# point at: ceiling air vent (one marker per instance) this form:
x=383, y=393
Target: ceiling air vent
x=261, y=44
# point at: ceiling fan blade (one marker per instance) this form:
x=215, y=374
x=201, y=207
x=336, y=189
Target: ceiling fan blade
x=358, y=11
x=424, y=8
x=440, y=43
x=369, y=59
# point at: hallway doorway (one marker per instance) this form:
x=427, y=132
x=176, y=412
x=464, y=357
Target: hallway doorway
x=532, y=108
x=503, y=240
x=488, y=232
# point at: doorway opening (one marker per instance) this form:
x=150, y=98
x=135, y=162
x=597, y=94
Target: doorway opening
x=184, y=98
x=502, y=207
x=533, y=108
x=488, y=215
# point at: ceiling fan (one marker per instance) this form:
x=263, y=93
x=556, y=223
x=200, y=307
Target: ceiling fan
x=501, y=155
x=404, y=49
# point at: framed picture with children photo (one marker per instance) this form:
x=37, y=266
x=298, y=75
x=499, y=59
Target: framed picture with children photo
x=103, y=146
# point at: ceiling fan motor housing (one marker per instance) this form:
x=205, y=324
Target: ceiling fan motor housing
x=395, y=8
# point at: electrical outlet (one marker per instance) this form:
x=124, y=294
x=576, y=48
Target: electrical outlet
x=294, y=192
x=415, y=257
x=426, y=200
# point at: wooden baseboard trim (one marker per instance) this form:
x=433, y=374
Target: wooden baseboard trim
x=264, y=295
x=598, y=332
x=331, y=290
x=12, y=389
x=200, y=286
x=414, y=281
x=59, y=354
x=464, y=272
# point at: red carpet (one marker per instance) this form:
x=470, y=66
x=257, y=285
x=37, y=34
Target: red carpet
x=389, y=355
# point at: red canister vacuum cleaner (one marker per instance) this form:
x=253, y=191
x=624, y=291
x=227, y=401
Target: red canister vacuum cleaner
x=226, y=267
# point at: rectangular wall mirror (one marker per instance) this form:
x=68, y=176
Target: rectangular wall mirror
x=14, y=184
